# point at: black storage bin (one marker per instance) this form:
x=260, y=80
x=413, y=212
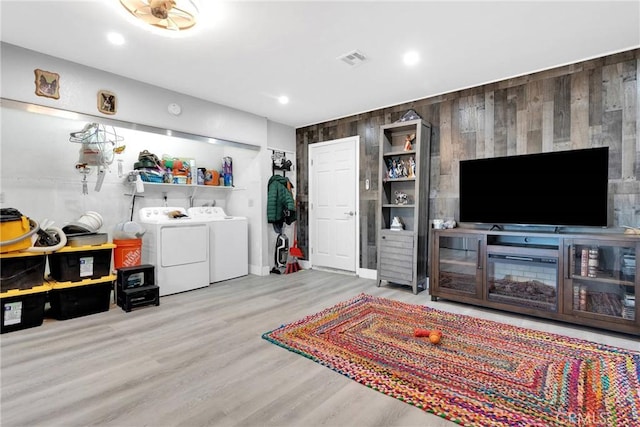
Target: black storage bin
x=72, y=264
x=75, y=299
x=136, y=276
x=129, y=299
x=23, y=309
x=22, y=270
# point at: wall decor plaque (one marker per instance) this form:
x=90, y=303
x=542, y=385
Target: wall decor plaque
x=47, y=84
x=107, y=102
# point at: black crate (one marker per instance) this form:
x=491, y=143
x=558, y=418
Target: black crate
x=23, y=309
x=128, y=299
x=136, y=276
x=24, y=271
x=73, y=265
x=68, y=302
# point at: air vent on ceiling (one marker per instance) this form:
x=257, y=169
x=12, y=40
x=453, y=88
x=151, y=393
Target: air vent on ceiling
x=353, y=58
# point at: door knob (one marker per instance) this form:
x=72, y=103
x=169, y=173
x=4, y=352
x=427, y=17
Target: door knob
x=350, y=213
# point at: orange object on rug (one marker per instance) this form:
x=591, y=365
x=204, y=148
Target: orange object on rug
x=421, y=332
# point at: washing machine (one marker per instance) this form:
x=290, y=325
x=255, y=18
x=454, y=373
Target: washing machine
x=228, y=242
x=178, y=245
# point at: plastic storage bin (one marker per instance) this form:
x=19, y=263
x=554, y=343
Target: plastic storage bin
x=135, y=287
x=21, y=270
x=129, y=299
x=72, y=264
x=22, y=309
x=135, y=277
x=76, y=299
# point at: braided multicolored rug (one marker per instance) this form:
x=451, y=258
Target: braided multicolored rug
x=482, y=373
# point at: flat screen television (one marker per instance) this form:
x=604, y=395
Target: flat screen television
x=560, y=188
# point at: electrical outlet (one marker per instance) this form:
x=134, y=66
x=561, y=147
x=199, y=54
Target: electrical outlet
x=366, y=184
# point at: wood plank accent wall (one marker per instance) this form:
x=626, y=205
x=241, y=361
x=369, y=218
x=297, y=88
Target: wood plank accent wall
x=588, y=104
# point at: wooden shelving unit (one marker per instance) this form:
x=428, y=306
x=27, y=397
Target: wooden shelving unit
x=404, y=195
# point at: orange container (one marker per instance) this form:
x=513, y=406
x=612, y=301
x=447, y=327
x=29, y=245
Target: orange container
x=215, y=177
x=128, y=253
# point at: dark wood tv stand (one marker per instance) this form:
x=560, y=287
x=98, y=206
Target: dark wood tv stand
x=585, y=279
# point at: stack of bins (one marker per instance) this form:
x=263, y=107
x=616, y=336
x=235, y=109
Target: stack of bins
x=23, y=293
x=82, y=280
x=135, y=287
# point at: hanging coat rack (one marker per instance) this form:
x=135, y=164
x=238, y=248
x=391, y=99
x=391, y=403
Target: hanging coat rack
x=280, y=162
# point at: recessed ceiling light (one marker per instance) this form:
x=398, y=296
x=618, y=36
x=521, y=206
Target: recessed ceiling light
x=283, y=99
x=115, y=38
x=411, y=58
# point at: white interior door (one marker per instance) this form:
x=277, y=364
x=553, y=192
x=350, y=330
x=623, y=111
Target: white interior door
x=333, y=214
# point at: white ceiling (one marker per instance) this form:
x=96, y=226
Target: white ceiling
x=244, y=54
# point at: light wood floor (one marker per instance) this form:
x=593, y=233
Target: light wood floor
x=199, y=360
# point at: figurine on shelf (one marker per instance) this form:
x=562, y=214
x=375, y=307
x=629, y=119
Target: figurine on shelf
x=401, y=198
x=391, y=171
x=408, y=142
x=412, y=167
x=397, y=224
x=399, y=167
x=409, y=115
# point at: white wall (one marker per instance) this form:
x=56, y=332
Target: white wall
x=138, y=102
x=38, y=174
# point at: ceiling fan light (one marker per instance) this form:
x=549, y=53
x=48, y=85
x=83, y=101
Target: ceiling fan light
x=160, y=8
x=172, y=15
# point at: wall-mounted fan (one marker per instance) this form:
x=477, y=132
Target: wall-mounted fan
x=172, y=15
x=99, y=145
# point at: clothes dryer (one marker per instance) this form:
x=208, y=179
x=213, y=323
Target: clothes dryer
x=178, y=246
x=228, y=242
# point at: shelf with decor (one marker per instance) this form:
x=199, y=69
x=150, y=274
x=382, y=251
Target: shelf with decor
x=407, y=206
x=403, y=203
x=162, y=185
x=189, y=189
x=601, y=279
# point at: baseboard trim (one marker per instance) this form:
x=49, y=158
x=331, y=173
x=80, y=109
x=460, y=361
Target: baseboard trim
x=259, y=270
x=367, y=273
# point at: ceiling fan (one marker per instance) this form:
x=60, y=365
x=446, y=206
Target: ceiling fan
x=166, y=14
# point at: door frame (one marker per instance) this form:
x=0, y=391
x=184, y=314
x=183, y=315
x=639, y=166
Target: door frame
x=355, y=146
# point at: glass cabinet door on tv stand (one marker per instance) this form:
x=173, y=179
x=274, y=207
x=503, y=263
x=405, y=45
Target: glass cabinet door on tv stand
x=403, y=203
x=457, y=266
x=601, y=279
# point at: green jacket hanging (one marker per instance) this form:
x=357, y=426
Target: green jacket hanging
x=281, y=207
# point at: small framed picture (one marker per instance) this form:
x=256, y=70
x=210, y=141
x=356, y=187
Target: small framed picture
x=47, y=84
x=107, y=102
